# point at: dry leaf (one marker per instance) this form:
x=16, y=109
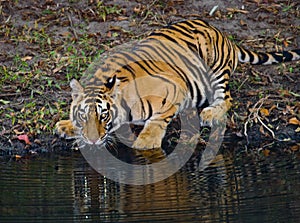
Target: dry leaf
x=233, y=10
x=24, y=138
x=37, y=141
x=252, y=93
x=17, y=157
x=138, y=9
x=285, y=43
x=273, y=107
x=285, y=93
x=122, y=18
x=295, y=148
x=264, y=112
x=57, y=69
x=294, y=121
x=262, y=131
x=266, y=152
x=243, y=23
x=26, y=58
x=109, y=34
x=17, y=132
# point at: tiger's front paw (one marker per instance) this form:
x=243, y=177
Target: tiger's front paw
x=145, y=141
x=65, y=129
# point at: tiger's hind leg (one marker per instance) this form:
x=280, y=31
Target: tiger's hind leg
x=215, y=113
x=219, y=100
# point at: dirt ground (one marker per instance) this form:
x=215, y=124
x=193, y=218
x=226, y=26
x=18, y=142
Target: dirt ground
x=44, y=44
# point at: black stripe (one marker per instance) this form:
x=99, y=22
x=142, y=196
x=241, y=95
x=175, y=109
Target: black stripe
x=162, y=51
x=197, y=73
x=165, y=36
x=150, y=58
x=263, y=57
x=206, y=35
x=222, y=74
x=150, y=110
x=140, y=64
x=202, y=33
x=205, y=104
x=190, y=45
x=226, y=89
x=129, y=59
x=126, y=108
x=163, y=102
x=125, y=64
x=123, y=79
x=225, y=61
x=199, y=96
x=165, y=57
x=166, y=51
x=243, y=54
x=130, y=70
x=278, y=57
x=187, y=23
x=149, y=64
x=168, y=119
x=250, y=54
x=226, y=97
x=219, y=52
x=287, y=56
x=182, y=30
x=199, y=23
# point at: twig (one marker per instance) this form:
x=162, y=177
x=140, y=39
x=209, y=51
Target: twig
x=242, y=83
x=10, y=94
x=148, y=9
x=288, y=77
x=72, y=26
x=249, y=119
x=264, y=125
x=254, y=114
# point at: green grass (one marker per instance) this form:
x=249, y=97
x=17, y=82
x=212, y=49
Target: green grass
x=33, y=89
x=35, y=86
x=103, y=10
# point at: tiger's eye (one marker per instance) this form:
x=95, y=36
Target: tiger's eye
x=103, y=115
x=83, y=116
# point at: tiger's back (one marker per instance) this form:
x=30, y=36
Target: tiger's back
x=188, y=61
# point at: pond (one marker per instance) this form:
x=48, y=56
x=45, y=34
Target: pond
x=236, y=187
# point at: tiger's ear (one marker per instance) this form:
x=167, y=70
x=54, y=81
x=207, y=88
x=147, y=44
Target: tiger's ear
x=77, y=90
x=110, y=84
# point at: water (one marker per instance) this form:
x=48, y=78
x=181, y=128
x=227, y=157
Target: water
x=237, y=187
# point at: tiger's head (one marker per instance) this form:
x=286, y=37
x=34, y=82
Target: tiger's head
x=91, y=111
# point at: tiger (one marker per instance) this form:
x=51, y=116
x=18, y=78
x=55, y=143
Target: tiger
x=185, y=62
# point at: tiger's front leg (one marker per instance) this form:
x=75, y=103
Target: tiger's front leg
x=152, y=134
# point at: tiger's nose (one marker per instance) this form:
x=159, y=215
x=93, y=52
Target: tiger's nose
x=93, y=141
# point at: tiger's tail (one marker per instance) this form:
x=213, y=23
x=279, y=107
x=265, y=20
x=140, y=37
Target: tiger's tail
x=259, y=58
